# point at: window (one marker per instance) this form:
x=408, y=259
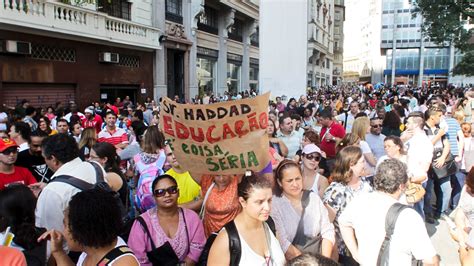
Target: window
x=235, y=31
x=174, y=10
x=233, y=77
x=254, y=39
x=206, y=75
x=208, y=21
x=116, y=8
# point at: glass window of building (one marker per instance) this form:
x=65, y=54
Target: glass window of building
x=235, y=31
x=205, y=68
x=436, y=58
x=119, y=9
x=254, y=39
x=208, y=20
x=233, y=77
x=174, y=10
x=253, y=76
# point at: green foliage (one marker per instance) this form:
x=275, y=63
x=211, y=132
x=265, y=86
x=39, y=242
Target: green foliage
x=444, y=23
x=466, y=65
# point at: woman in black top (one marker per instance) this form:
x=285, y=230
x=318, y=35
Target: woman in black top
x=104, y=153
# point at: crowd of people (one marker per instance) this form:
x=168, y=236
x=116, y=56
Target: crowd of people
x=356, y=175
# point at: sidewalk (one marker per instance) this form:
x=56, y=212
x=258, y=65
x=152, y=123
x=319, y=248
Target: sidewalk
x=446, y=247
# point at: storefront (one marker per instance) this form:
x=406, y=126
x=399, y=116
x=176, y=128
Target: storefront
x=206, y=70
x=234, y=75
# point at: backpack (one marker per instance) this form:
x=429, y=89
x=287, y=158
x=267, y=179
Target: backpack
x=144, y=199
x=390, y=221
x=235, y=248
x=100, y=184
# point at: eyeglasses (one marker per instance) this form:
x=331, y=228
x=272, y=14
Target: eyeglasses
x=162, y=192
x=316, y=158
x=10, y=151
x=376, y=126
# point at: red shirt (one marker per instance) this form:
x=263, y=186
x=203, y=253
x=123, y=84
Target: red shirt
x=115, y=137
x=20, y=175
x=329, y=147
x=96, y=123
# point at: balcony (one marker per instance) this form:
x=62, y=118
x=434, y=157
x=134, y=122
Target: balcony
x=45, y=15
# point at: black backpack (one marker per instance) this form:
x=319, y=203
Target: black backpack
x=100, y=184
x=235, y=247
x=390, y=221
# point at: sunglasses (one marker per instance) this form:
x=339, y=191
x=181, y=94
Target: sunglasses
x=10, y=151
x=376, y=126
x=316, y=158
x=162, y=192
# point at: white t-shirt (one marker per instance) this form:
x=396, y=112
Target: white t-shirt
x=366, y=214
x=350, y=120
x=419, y=152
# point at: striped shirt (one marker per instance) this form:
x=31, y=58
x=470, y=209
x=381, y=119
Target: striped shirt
x=114, y=137
x=453, y=128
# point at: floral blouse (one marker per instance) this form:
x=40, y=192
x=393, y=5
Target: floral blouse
x=337, y=196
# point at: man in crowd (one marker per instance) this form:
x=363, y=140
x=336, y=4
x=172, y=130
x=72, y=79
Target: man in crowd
x=61, y=154
x=331, y=133
x=20, y=133
x=419, y=152
x=347, y=118
x=30, y=113
x=375, y=138
x=32, y=159
x=74, y=112
x=280, y=106
x=288, y=135
x=9, y=173
x=362, y=223
x=62, y=126
x=92, y=119
x=189, y=190
x=441, y=185
x=112, y=134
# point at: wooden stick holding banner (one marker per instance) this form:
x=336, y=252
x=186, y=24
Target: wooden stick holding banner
x=221, y=138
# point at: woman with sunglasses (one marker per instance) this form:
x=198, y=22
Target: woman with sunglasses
x=165, y=226
x=288, y=209
x=312, y=179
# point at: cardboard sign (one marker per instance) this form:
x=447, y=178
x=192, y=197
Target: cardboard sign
x=222, y=138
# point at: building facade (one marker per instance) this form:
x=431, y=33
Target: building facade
x=56, y=52
x=210, y=47
x=363, y=62
x=339, y=17
x=410, y=57
x=321, y=40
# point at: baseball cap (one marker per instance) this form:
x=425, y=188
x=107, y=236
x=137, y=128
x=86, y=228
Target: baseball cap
x=89, y=110
x=7, y=143
x=311, y=148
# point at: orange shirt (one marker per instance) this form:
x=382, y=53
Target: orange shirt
x=221, y=206
x=11, y=256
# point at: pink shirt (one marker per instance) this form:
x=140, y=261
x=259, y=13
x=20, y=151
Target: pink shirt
x=139, y=242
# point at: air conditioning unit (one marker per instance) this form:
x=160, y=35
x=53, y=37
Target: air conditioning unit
x=108, y=57
x=15, y=47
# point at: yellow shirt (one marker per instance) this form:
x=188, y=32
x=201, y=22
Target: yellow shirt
x=189, y=190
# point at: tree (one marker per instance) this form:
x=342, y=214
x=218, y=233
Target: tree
x=445, y=23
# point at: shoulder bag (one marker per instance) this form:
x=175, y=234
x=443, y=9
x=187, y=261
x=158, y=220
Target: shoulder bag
x=163, y=255
x=305, y=244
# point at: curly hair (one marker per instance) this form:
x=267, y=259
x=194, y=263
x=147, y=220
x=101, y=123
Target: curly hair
x=94, y=218
x=251, y=181
x=61, y=146
x=285, y=164
x=345, y=158
x=390, y=175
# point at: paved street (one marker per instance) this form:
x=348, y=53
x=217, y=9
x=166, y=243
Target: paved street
x=444, y=245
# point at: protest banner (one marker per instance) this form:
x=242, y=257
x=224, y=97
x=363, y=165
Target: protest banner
x=222, y=138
